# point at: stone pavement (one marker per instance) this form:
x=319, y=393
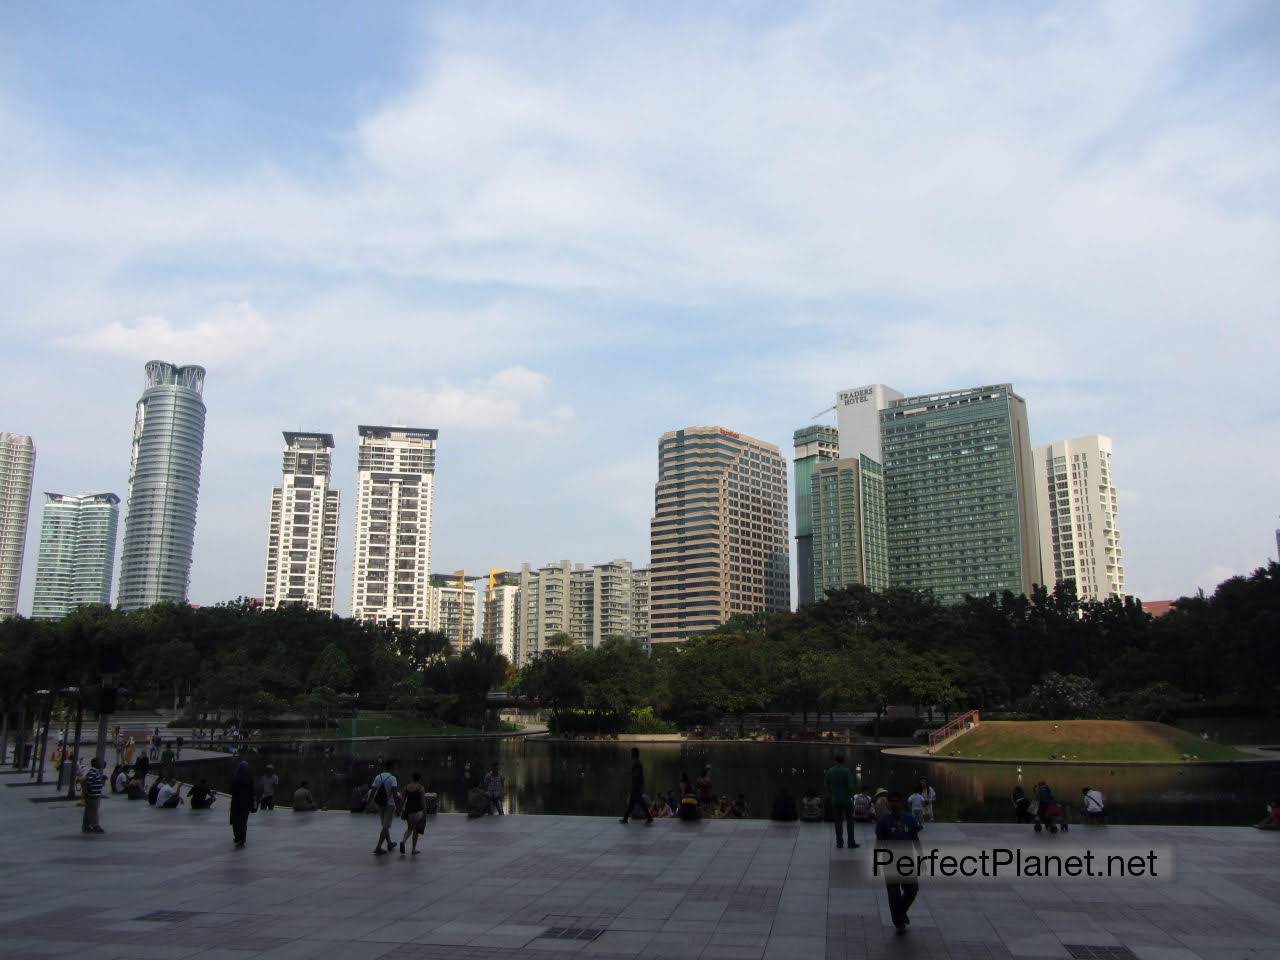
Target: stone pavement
x=168, y=884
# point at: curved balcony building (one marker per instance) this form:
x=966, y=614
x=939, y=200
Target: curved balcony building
x=164, y=485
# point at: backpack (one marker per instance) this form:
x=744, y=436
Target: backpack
x=380, y=796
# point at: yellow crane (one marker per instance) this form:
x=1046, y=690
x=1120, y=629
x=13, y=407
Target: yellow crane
x=463, y=580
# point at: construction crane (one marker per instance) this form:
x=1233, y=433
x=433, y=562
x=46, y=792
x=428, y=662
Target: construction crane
x=821, y=412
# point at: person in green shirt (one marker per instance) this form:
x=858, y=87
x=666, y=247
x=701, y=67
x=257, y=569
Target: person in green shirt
x=840, y=789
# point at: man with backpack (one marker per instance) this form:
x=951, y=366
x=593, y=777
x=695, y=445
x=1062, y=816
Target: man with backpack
x=900, y=833
x=385, y=792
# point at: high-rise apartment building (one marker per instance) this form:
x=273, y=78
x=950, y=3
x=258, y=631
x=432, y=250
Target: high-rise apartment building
x=813, y=445
x=542, y=606
x=454, y=609
x=850, y=534
x=395, y=494
x=501, y=613
x=960, y=493
x=164, y=487
x=77, y=553
x=17, y=466
x=1079, y=537
x=718, y=538
x=302, y=534
x=640, y=605
x=586, y=604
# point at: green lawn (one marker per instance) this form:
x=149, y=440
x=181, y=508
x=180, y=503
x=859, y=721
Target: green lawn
x=1097, y=740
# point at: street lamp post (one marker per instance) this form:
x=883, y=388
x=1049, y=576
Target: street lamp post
x=75, y=751
x=42, y=740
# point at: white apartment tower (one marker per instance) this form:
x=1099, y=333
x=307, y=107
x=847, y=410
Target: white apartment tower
x=302, y=537
x=1079, y=538
x=588, y=604
x=17, y=465
x=454, y=610
x=395, y=494
x=542, y=606
x=501, y=613
x=77, y=553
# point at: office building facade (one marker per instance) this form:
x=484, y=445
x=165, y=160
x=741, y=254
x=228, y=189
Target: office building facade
x=17, y=468
x=960, y=493
x=395, y=497
x=302, y=534
x=814, y=445
x=164, y=487
x=77, y=553
x=850, y=532
x=718, y=537
x=1078, y=507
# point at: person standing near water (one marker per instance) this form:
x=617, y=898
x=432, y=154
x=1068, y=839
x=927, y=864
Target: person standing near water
x=840, y=787
x=241, y=803
x=636, y=795
x=386, y=795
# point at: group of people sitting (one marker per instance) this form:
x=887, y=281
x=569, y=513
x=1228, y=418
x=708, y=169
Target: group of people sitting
x=868, y=806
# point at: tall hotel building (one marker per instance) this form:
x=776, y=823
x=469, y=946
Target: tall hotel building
x=960, y=493
x=395, y=493
x=850, y=533
x=1079, y=538
x=164, y=486
x=814, y=445
x=302, y=536
x=17, y=466
x=77, y=553
x=718, y=538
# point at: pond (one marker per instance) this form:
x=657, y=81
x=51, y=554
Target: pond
x=590, y=778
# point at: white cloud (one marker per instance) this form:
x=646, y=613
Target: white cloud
x=231, y=331
x=510, y=400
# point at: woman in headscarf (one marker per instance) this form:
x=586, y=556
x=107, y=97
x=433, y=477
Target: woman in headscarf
x=242, y=795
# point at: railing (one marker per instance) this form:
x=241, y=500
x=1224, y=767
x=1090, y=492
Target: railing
x=958, y=725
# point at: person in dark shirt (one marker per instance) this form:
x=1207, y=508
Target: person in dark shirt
x=784, y=807
x=839, y=781
x=201, y=796
x=92, y=792
x=900, y=833
x=637, y=789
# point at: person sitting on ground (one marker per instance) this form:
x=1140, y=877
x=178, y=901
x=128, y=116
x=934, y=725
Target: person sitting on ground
x=658, y=808
x=201, y=796
x=360, y=798
x=1095, y=806
x=1272, y=819
x=114, y=779
x=673, y=803
x=154, y=792
x=477, y=801
x=784, y=807
x=689, y=806
x=303, y=801
x=431, y=800
x=811, y=807
x=168, y=796
x=133, y=789
x=1021, y=805
x=722, y=811
x=863, y=805
x=881, y=805
x=738, y=809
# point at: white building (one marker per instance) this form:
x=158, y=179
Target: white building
x=77, y=553
x=502, y=613
x=1076, y=496
x=542, y=606
x=17, y=465
x=454, y=610
x=302, y=536
x=858, y=420
x=588, y=604
x=395, y=495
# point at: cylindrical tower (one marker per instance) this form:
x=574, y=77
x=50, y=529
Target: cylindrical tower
x=164, y=484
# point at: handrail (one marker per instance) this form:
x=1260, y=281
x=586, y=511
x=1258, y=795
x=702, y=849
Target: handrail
x=954, y=727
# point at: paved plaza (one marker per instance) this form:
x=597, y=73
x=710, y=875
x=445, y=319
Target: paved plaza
x=167, y=883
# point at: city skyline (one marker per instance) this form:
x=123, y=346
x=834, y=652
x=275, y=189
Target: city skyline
x=603, y=251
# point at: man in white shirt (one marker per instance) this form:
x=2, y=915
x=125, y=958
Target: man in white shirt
x=1095, y=805
x=385, y=794
x=168, y=795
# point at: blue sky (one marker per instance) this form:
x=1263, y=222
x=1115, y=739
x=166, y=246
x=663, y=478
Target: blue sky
x=555, y=230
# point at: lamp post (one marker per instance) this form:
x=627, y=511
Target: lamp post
x=75, y=750
x=354, y=699
x=42, y=737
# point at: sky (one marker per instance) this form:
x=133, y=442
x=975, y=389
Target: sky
x=555, y=230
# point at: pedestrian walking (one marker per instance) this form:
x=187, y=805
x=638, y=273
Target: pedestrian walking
x=386, y=797
x=636, y=795
x=155, y=744
x=177, y=753
x=270, y=781
x=242, y=803
x=494, y=788
x=839, y=782
x=92, y=791
x=928, y=795
x=415, y=811
x=141, y=766
x=166, y=760
x=900, y=833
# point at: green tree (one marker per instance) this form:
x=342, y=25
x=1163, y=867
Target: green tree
x=331, y=670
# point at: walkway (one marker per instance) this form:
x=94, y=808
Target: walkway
x=168, y=884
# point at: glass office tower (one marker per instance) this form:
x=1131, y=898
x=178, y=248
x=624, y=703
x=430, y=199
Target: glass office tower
x=813, y=445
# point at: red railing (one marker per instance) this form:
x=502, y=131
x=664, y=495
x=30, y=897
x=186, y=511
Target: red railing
x=958, y=725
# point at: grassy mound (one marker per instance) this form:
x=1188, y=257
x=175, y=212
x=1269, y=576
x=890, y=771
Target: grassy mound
x=1096, y=740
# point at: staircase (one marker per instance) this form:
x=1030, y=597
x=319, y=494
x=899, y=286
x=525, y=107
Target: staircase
x=961, y=724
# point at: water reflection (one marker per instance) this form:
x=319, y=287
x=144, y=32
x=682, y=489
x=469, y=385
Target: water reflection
x=591, y=778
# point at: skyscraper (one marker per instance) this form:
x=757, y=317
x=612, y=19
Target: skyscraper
x=586, y=604
x=960, y=495
x=813, y=445
x=501, y=613
x=1076, y=496
x=542, y=606
x=164, y=486
x=17, y=466
x=850, y=536
x=453, y=609
x=302, y=536
x=395, y=491
x=858, y=420
x=77, y=553
x=718, y=538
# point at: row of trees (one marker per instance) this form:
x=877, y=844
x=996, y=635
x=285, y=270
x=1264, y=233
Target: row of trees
x=856, y=649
